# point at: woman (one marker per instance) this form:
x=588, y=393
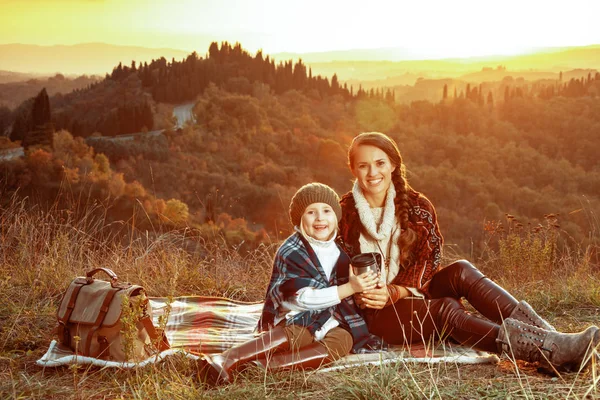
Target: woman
x=309, y=316
x=420, y=300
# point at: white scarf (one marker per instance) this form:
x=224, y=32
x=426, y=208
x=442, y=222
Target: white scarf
x=388, y=231
x=366, y=216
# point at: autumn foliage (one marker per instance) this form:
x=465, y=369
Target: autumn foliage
x=262, y=130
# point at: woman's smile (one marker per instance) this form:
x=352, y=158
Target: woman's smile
x=375, y=182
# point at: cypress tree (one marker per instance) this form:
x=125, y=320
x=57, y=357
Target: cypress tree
x=41, y=109
x=41, y=130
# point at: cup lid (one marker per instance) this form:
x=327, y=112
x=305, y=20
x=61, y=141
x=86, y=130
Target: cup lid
x=365, y=259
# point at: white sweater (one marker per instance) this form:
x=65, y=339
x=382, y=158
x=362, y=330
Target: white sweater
x=309, y=298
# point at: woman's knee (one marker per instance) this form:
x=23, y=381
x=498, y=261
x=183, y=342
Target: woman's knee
x=462, y=267
x=454, y=279
x=450, y=304
x=450, y=309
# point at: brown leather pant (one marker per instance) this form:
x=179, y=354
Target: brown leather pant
x=414, y=320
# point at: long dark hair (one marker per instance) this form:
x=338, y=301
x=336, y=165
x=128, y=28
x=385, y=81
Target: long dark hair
x=401, y=202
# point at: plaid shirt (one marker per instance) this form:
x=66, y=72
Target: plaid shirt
x=296, y=266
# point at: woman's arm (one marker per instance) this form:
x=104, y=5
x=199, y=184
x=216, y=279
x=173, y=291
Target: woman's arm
x=428, y=247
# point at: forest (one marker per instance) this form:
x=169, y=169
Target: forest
x=509, y=151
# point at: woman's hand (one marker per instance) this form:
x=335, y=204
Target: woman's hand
x=375, y=298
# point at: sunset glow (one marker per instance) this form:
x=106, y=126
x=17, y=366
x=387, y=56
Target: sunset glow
x=431, y=29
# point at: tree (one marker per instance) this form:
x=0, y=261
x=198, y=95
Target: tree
x=335, y=86
x=176, y=212
x=445, y=95
x=41, y=109
x=213, y=50
x=41, y=130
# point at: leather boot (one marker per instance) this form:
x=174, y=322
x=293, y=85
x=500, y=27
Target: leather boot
x=217, y=368
x=308, y=357
x=555, y=351
x=525, y=313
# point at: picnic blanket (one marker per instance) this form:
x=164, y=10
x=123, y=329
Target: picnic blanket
x=213, y=324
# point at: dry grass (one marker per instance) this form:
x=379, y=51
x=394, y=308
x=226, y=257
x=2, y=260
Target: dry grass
x=40, y=253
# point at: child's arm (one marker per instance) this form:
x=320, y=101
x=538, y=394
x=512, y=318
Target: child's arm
x=309, y=298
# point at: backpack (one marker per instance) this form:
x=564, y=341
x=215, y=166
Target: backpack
x=108, y=320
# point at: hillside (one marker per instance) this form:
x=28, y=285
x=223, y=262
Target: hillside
x=263, y=130
x=126, y=100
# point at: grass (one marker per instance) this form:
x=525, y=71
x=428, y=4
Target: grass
x=41, y=252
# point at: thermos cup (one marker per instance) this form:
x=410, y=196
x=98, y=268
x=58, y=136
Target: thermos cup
x=364, y=262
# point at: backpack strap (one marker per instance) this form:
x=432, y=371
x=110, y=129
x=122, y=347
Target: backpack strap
x=163, y=343
x=63, y=332
x=101, y=315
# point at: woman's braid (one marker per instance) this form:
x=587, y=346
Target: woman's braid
x=401, y=200
x=408, y=236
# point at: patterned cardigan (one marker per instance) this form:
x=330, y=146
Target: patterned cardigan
x=427, y=247
x=296, y=266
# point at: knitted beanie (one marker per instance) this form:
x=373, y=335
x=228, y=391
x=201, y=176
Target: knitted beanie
x=313, y=193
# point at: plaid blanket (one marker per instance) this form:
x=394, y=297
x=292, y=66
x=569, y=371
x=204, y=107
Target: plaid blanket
x=212, y=324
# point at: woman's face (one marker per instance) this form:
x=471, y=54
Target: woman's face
x=319, y=221
x=373, y=169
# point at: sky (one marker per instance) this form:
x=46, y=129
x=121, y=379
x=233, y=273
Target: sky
x=433, y=29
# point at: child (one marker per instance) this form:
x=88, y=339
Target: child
x=310, y=318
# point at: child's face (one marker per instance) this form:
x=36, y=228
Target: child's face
x=319, y=221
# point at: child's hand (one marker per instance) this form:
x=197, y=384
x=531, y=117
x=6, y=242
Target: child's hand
x=360, y=283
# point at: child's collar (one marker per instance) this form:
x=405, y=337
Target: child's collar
x=317, y=242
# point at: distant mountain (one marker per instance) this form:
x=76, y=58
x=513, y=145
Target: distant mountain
x=14, y=92
x=544, y=63
x=559, y=57
x=9, y=76
x=380, y=54
x=86, y=58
